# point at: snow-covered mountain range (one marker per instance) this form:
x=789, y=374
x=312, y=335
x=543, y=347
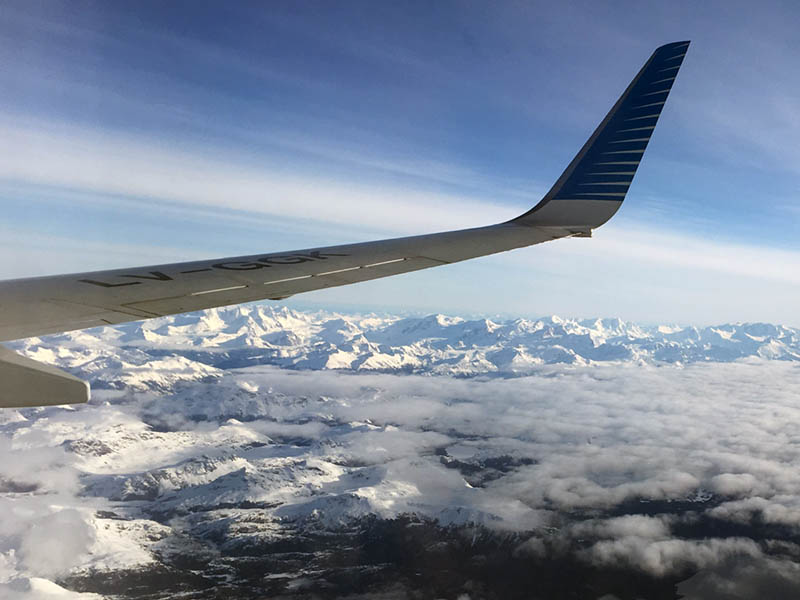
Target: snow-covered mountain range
x=267, y=452
x=199, y=346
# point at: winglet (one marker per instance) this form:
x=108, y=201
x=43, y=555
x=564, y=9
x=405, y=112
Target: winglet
x=27, y=382
x=593, y=186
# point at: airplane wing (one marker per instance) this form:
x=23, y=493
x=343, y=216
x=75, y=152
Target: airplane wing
x=586, y=195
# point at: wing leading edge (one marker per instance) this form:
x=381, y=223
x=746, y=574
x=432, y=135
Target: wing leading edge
x=586, y=195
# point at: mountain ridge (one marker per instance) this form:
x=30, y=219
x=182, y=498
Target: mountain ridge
x=158, y=353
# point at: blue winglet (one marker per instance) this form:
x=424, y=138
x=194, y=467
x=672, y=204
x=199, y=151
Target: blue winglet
x=604, y=168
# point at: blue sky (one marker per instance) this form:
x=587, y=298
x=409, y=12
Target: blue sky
x=149, y=132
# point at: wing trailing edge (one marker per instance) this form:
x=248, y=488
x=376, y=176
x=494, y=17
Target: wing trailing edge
x=26, y=382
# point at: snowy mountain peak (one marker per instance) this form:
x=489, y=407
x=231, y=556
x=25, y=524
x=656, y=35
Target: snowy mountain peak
x=159, y=354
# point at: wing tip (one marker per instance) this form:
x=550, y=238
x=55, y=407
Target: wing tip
x=674, y=44
x=588, y=207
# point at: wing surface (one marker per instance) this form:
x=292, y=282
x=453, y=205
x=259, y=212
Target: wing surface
x=586, y=195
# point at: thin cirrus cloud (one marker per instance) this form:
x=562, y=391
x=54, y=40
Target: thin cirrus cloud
x=645, y=245
x=67, y=157
x=144, y=170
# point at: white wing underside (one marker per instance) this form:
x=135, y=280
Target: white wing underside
x=587, y=194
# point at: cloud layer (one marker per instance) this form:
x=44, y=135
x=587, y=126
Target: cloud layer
x=662, y=470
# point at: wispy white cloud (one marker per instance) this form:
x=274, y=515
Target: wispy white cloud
x=41, y=531
x=31, y=254
x=126, y=168
x=64, y=156
x=630, y=244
